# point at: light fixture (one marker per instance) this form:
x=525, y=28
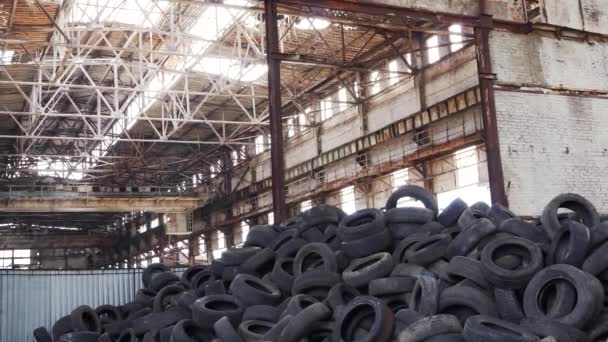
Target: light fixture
x=311, y=23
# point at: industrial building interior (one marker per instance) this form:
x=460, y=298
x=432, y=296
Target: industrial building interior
x=144, y=131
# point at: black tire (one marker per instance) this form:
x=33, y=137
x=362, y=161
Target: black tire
x=361, y=224
x=570, y=245
x=381, y=317
x=589, y=294
x=400, y=252
x=145, y=297
x=367, y=246
x=261, y=313
x=450, y=215
x=460, y=268
x=84, y=318
x=282, y=274
x=433, y=228
x=397, y=302
x=472, y=214
x=298, y=303
x=260, y=236
x=409, y=215
x=580, y=205
x=341, y=294
x=596, y=262
x=287, y=244
x=186, y=299
x=410, y=270
x=400, y=231
x=428, y=250
x=105, y=337
x=598, y=329
x=311, y=234
x=511, y=278
x=188, y=331
x=407, y=316
x=312, y=252
x=161, y=280
x=236, y=256
x=151, y=271
x=489, y=329
x=330, y=237
x=427, y=327
x=315, y=283
x=127, y=336
x=464, y=302
x=166, y=297
x=525, y=230
x=361, y=271
x=252, y=331
x=440, y=269
x=80, y=336
x=469, y=237
x=108, y=314
x=562, y=332
x=190, y=272
x=230, y=272
x=274, y=333
x=508, y=305
x=425, y=296
x=599, y=234
x=390, y=286
x=41, y=334
x=304, y=322
x=415, y=192
x=215, y=287
x=446, y=338
x=226, y=331
x=251, y=290
x=200, y=279
x=208, y=310
x=499, y=213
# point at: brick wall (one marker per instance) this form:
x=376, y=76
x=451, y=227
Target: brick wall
x=552, y=144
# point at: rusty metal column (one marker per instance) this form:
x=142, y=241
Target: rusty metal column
x=486, y=86
x=276, y=124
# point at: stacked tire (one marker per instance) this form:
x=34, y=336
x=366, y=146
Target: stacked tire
x=468, y=273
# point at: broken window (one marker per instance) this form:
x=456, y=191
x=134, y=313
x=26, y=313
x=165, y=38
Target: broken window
x=433, y=49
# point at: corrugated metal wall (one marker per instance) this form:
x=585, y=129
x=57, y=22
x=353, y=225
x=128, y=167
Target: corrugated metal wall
x=29, y=299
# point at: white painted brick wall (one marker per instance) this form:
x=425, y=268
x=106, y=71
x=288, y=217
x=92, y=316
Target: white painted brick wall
x=552, y=144
x=539, y=60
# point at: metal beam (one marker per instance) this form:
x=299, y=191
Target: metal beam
x=276, y=120
x=98, y=205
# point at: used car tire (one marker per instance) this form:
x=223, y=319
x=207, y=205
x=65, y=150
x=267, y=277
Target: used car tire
x=577, y=203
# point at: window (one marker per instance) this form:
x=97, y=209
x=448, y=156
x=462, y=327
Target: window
x=271, y=218
x=212, y=171
x=302, y=118
x=155, y=223
x=408, y=58
x=433, y=49
x=221, y=245
x=326, y=109
x=6, y=56
x=468, y=171
x=342, y=98
x=399, y=178
x=259, y=144
x=456, y=38
x=347, y=200
x=244, y=231
x=393, y=67
x=142, y=228
x=291, y=128
x=375, y=79
x=305, y=205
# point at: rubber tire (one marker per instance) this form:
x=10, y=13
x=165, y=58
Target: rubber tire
x=282, y=274
x=150, y=271
x=205, y=313
x=589, y=294
x=215, y=287
x=161, y=280
x=248, y=290
x=260, y=236
x=84, y=318
x=460, y=268
x=80, y=336
x=401, y=231
x=127, y=336
x=361, y=271
x=511, y=278
x=459, y=297
x=248, y=335
x=428, y=327
x=367, y=246
x=409, y=215
x=304, y=322
x=446, y=338
x=298, y=303
x=399, y=254
x=167, y=291
x=236, y=256
x=425, y=296
x=321, y=250
x=580, y=205
x=108, y=314
x=41, y=334
x=340, y=295
x=190, y=272
x=472, y=214
x=315, y=283
x=562, y=332
x=415, y=192
x=508, y=305
x=361, y=224
x=499, y=213
x=525, y=230
x=381, y=324
x=266, y=313
x=188, y=331
x=450, y=215
x=490, y=329
x=570, y=245
x=428, y=250
x=391, y=286
x=469, y=237
x=226, y=331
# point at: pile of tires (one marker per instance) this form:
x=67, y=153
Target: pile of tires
x=470, y=273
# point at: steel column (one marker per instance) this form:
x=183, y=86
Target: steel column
x=488, y=105
x=276, y=124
